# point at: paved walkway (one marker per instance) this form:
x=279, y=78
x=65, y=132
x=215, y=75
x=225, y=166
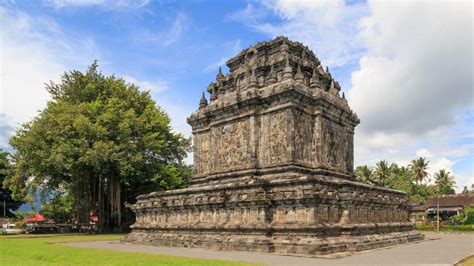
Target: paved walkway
x=438, y=248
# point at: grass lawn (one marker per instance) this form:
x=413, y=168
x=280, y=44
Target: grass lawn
x=469, y=261
x=41, y=250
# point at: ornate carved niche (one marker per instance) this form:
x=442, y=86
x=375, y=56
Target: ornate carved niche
x=334, y=145
x=231, y=147
x=303, y=136
x=201, y=153
x=273, y=146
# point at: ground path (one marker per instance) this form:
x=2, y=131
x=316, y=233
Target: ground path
x=438, y=248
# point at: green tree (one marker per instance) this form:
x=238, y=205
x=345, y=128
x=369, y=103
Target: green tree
x=396, y=177
x=364, y=174
x=104, y=141
x=465, y=190
x=419, y=169
x=58, y=208
x=9, y=205
x=400, y=179
x=444, y=182
x=381, y=173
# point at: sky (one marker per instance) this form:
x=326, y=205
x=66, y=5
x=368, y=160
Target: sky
x=406, y=67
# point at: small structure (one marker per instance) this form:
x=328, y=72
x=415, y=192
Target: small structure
x=449, y=205
x=36, y=218
x=6, y=224
x=40, y=225
x=273, y=167
x=418, y=213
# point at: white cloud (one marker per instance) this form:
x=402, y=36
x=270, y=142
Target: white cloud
x=415, y=76
x=230, y=49
x=145, y=85
x=417, y=72
x=167, y=37
x=425, y=153
x=176, y=30
x=328, y=27
x=250, y=15
x=438, y=164
x=27, y=62
x=34, y=50
x=414, y=80
x=122, y=4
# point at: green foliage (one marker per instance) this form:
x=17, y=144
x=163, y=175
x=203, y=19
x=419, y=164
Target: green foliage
x=6, y=199
x=444, y=182
x=464, y=218
x=407, y=179
x=364, y=174
x=173, y=176
x=418, y=169
x=459, y=219
x=469, y=214
x=448, y=228
x=58, y=208
x=101, y=140
x=381, y=173
x=22, y=215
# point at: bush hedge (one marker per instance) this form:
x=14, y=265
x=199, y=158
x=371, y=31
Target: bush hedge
x=455, y=228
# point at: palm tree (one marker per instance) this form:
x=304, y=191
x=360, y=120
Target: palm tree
x=381, y=172
x=364, y=174
x=444, y=181
x=418, y=169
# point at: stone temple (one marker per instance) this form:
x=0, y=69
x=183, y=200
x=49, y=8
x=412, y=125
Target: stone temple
x=273, y=167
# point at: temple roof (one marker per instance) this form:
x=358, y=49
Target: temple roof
x=457, y=200
x=270, y=68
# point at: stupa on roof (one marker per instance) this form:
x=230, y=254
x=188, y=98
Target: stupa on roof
x=273, y=167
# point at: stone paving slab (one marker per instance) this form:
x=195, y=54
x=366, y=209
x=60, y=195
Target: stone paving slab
x=438, y=249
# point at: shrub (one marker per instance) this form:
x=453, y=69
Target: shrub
x=469, y=213
x=456, y=228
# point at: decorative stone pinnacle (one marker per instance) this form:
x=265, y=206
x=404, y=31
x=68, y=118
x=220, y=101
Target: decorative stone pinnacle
x=327, y=69
x=343, y=96
x=299, y=75
x=212, y=91
x=253, y=79
x=314, y=81
x=203, y=101
x=287, y=71
x=284, y=47
x=273, y=78
x=332, y=88
x=219, y=76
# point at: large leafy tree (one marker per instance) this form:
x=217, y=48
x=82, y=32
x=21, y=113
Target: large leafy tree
x=444, y=182
x=418, y=169
x=101, y=140
x=9, y=205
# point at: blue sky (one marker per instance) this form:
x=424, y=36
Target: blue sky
x=406, y=67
